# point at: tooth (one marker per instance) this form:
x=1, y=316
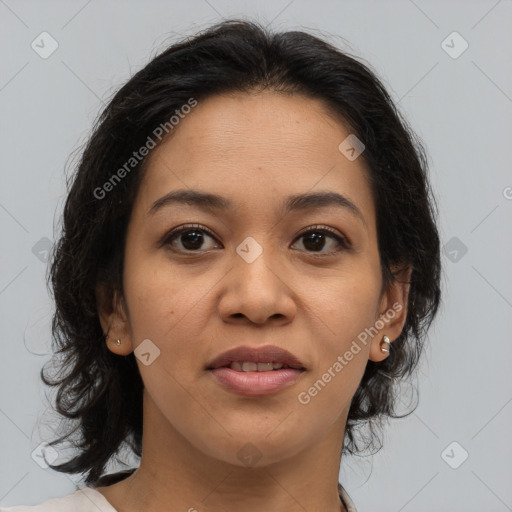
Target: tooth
x=250, y=366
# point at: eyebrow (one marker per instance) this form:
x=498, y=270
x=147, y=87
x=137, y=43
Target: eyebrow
x=293, y=203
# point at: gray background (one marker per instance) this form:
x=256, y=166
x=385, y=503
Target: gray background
x=461, y=107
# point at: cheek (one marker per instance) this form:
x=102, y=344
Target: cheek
x=159, y=295
x=345, y=303
x=168, y=308
x=345, y=306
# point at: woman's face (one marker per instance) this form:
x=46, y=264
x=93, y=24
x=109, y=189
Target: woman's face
x=253, y=273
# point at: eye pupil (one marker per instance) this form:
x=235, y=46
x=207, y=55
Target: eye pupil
x=193, y=236
x=318, y=240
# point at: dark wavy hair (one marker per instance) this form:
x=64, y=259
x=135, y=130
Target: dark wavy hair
x=102, y=391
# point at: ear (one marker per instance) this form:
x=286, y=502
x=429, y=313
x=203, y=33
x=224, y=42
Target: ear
x=112, y=312
x=392, y=312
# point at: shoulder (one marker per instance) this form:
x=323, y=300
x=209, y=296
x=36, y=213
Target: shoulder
x=81, y=500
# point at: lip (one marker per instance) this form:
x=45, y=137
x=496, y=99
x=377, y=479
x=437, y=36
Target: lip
x=268, y=353
x=256, y=383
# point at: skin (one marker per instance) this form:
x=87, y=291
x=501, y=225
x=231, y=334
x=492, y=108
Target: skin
x=255, y=149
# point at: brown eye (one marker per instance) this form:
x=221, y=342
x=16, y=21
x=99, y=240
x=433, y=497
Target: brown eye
x=192, y=238
x=317, y=239
x=188, y=238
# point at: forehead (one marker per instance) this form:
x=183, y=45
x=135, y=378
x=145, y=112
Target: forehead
x=254, y=149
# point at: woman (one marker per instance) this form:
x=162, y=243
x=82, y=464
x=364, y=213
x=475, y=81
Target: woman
x=248, y=266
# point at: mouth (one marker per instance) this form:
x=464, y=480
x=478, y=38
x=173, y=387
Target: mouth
x=250, y=366
x=256, y=372
x=261, y=359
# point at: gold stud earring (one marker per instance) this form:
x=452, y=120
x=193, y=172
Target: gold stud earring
x=118, y=342
x=385, y=344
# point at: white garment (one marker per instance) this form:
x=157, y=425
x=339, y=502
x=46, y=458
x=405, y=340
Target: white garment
x=349, y=504
x=82, y=500
x=90, y=500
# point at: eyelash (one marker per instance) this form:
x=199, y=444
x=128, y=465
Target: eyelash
x=343, y=242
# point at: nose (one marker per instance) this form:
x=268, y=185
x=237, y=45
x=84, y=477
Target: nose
x=257, y=289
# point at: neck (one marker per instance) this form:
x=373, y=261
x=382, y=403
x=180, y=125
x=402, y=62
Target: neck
x=175, y=473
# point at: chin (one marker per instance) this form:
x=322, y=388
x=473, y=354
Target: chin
x=257, y=450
